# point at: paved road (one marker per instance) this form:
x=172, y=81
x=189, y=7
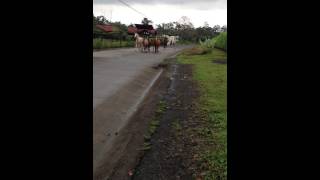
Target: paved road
x=113, y=68
x=121, y=77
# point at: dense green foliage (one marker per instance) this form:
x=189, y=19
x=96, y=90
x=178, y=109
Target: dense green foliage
x=184, y=29
x=188, y=33
x=107, y=43
x=208, y=43
x=120, y=31
x=221, y=41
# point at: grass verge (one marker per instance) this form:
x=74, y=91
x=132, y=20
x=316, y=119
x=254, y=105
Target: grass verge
x=212, y=79
x=105, y=43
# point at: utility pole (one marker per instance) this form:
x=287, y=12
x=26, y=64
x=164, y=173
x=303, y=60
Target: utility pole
x=111, y=16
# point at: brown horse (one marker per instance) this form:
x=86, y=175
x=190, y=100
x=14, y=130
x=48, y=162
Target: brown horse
x=146, y=45
x=152, y=43
x=164, y=41
x=157, y=44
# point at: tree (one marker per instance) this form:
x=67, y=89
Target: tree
x=146, y=21
x=224, y=28
x=185, y=22
x=205, y=25
x=101, y=20
x=216, y=28
x=94, y=22
x=186, y=31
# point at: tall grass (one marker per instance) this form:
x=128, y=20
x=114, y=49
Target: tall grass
x=221, y=41
x=106, y=43
x=208, y=43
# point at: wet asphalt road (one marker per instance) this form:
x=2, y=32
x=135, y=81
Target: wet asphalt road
x=114, y=68
x=121, y=78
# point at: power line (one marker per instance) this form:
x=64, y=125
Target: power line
x=132, y=8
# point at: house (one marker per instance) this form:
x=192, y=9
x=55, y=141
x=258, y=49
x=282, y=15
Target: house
x=105, y=28
x=141, y=29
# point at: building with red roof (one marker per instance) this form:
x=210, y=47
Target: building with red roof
x=106, y=27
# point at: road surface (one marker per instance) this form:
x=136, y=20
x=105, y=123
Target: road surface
x=121, y=79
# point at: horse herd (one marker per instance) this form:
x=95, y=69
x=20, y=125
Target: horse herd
x=144, y=44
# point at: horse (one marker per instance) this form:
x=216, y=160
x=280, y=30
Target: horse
x=157, y=43
x=146, y=45
x=176, y=39
x=139, y=41
x=152, y=43
x=164, y=41
x=171, y=40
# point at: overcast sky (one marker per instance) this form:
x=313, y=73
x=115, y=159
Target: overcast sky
x=164, y=11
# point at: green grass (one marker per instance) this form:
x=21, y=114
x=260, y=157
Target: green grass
x=208, y=43
x=221, y=41
x=146, y=146
x=212, y=79
x=154, y=124
x=105, y=43
x=197, y=51
x=152, y=127
x=176, y=125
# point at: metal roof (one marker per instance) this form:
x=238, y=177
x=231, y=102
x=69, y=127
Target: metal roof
x=105, y=28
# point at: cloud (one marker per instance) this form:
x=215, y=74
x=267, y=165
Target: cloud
x=188, y=4
x=171, y=13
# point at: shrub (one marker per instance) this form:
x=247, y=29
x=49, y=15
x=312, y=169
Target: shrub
x=221, y=41
x=208, y=43
x=99, y=43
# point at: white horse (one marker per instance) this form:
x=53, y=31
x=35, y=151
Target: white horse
x=139, y=41
x=177, y=38
x=172, y=40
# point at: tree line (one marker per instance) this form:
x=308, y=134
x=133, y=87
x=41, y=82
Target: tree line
x=183, y=28
x=120, y=31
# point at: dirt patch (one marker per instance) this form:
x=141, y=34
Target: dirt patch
x=197, y=51
x=174, y=145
